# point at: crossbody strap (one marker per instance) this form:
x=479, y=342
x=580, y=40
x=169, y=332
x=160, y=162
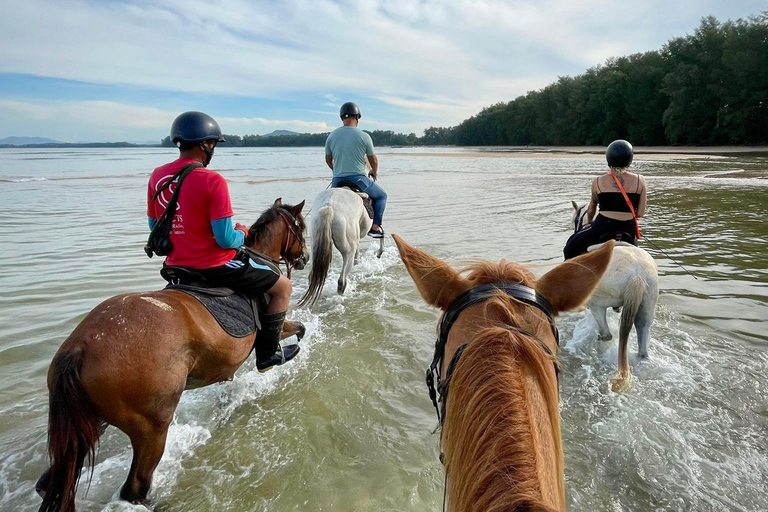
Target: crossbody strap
x=629, y=203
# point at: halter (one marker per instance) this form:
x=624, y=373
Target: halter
x=471, y=297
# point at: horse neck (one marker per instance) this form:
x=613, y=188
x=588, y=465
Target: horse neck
x=270, y=241
x=501, y=436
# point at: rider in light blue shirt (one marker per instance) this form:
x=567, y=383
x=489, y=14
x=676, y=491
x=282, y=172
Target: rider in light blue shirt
x=346, y=151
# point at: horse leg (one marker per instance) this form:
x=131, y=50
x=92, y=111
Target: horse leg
x=346, y=267
x=148, y=446
x=357, y=255
x=643, y=323
x=604, y=332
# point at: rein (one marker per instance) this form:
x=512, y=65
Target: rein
x=294, y=228
x=471, y=297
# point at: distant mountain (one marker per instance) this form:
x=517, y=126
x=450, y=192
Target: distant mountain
x=281, y=132
x=21, y=141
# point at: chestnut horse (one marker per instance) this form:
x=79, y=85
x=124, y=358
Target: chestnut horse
x=127, y=363
x=501, y=435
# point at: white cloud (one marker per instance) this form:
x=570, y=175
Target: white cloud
x=453, y=56
x=77, y=121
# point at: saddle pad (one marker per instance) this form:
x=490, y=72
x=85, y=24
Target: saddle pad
x=233, y=312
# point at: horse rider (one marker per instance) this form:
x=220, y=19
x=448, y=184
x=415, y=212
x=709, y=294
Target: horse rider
x=346, y=151
x=621, y=196
x=203, y=238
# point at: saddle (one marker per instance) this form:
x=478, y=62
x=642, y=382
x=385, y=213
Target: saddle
x=237, y=314
x=621, y=238
x=367, y=201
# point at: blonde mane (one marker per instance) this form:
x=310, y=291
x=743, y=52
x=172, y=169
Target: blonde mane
x=487, y=435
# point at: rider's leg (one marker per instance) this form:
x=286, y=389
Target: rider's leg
x=379, y=197
x=268, y=350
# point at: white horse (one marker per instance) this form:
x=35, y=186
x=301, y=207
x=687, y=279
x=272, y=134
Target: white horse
x=631, y=282
x=340, y=218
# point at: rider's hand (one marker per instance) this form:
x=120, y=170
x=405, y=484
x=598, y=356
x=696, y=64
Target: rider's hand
x=242, y=228
x=372, y=175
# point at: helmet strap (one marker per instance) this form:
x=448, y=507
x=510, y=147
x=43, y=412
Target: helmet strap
x=208, y=154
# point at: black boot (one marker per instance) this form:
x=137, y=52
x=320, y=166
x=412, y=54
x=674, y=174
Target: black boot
x=269, y=352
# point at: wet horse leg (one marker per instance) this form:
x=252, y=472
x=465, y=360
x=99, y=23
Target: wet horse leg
x=346, y=266
x=643, y=322
x=598, y=313
x=148, y=445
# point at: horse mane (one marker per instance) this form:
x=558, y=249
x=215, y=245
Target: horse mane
x=263, y=224
x=487, y=436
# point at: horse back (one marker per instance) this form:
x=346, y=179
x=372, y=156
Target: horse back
x=152, y=344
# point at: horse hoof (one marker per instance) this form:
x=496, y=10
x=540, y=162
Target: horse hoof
x=302, y=331
x=607, y=337
x=621, y=384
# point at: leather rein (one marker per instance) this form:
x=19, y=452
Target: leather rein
x=473, y=296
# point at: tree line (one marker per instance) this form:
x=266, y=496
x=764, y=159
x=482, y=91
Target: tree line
x=709, y=87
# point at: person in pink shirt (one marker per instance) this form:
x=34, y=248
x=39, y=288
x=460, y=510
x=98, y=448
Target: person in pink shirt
x=204, y=239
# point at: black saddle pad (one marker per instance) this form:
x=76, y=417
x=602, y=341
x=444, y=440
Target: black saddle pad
x=367, y=202
x=236, y=314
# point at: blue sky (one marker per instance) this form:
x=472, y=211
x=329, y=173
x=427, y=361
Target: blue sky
x=109, y=70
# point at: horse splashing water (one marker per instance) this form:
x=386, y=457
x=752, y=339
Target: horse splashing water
x=496, y=353
x=128, y=362
x=340, y=220
x=631, y=283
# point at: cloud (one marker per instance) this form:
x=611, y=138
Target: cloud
x=78, y=120
x=431, y=61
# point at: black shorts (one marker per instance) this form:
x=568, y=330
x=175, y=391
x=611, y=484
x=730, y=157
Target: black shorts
x=601, y=230
x=249, y=275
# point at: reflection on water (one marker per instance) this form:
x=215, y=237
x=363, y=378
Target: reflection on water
x=347, y=426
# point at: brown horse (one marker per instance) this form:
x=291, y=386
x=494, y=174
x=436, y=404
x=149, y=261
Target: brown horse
x=127, y=363
x=501, y=423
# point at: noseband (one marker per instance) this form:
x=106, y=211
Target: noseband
x=294, y=228
x=473, y=296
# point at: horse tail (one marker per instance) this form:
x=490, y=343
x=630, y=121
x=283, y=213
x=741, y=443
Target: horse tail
x=322, y=253
x=73, y=429
x=633, y=299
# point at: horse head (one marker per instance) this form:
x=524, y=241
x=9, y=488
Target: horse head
x=279, y=235
x=579, y=218
x=501, y=425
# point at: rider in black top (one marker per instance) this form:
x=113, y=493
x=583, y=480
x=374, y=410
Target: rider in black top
x=615, y=219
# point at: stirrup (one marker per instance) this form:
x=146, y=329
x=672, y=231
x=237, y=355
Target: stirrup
x=280, y=357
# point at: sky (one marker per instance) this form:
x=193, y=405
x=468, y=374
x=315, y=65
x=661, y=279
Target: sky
x=121, y=70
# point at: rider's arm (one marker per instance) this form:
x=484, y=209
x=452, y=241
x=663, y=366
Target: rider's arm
x=329, y=161
x=592, y=209
x=643, y=199
x=152, y=223
x=226, y=236
x=374, y=161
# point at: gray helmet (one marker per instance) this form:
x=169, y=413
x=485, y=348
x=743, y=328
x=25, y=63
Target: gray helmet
x=619, y=153
x=349, y=109
x=195, y=127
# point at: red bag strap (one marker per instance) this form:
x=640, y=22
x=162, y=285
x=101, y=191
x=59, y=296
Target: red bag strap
x=629, y=203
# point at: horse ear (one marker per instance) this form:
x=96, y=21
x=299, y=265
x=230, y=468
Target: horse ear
x=575, y=206
x=438, y=283
x=297, y=209
x=570, y=284
x=278, y=202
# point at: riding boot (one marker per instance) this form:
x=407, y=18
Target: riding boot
x=269, y=352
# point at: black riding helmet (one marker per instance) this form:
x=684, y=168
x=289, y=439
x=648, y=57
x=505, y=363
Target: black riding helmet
x=349, y=109
x=195, y=127
x=619, y=154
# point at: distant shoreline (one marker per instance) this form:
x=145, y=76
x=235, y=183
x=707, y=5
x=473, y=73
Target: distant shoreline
x=476, y=151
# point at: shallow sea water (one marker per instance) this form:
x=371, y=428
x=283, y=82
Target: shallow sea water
x=348, y=425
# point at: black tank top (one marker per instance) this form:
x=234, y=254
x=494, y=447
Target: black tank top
x=614, y=201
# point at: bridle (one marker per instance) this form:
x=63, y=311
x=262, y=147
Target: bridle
x=578, y=222
x=294, y=228
x=473, y=296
